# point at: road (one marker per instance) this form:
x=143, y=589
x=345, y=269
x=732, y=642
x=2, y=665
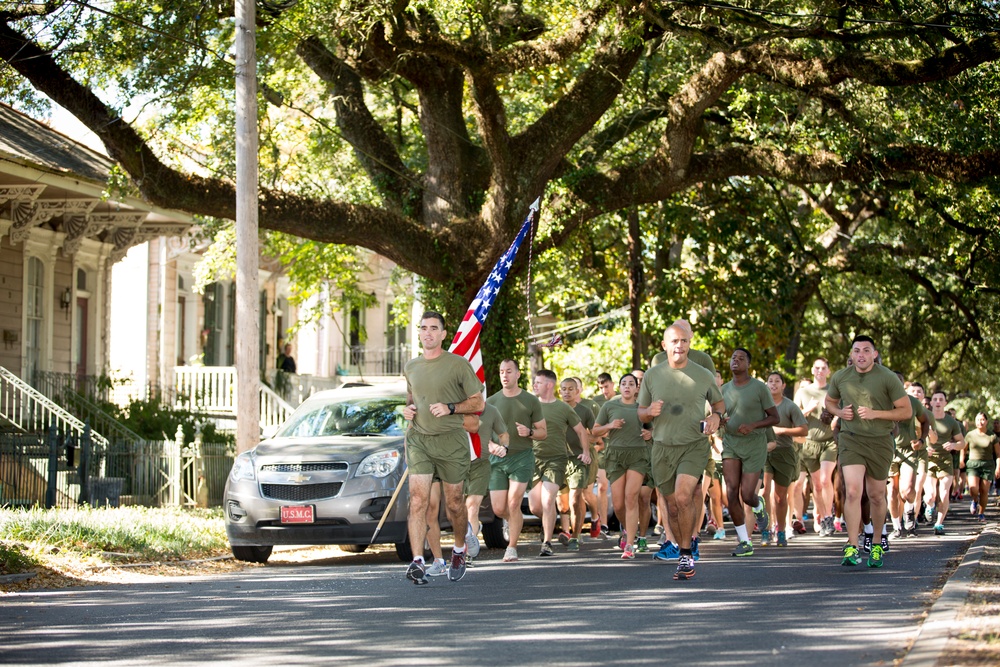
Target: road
x=796, y=604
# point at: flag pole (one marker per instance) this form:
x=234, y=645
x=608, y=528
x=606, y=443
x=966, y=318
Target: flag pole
x=392, y=501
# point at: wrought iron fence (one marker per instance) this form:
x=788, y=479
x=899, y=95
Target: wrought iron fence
x=66, y=471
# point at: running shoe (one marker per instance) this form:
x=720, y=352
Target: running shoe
x=720, y=534
x=573, y=544
x=725, y=514
x=798, y=527
x=896, y=534
x=506, y=531
x=781, y=540
x=912, y=532
x=973, y=508
x=657, y=529
x=685, y=568
x=471, y=542
x=628, y=553
x=546, y=550
x=938, y=529
x=510, y=555
x=564, y=538
x=641, y=545
x=866, y=545
x=595, y=529
x=669, y=551
x=982, y=518
x=765, y=538
x=884, y=543
x=415, y=573
x=437, y=569
x=838, y=525
x=695, y=541
x=851, y=555
x=712, y=526
x=763, y=521
x=457, y=570
x=875, y=557
x=605, y=532
x=622, y=541
x=910, y=522
x=744, y=549
x=929, y=513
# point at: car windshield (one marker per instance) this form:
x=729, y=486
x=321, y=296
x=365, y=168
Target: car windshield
x=380, y=415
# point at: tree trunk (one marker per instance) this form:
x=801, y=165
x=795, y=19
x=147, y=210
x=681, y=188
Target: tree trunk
x=636, y=285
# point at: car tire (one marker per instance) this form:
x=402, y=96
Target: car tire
x=353, y=548
x=252, y=554
x=403, y=550
x=493, y=534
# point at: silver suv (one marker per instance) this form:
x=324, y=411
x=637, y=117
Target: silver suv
x=326, y=477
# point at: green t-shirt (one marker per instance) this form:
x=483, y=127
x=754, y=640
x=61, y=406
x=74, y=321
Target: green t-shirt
x=947, y=428
x=744, y=405
x=525, y=408
x=908, y=427
x=447, y=378
x=587, y=417
x=629, y=435
x=980, y=445
x=592, y=404
x=703, y=359
x=684, y=392
x=818, y=431
x=490, y=424
x=789, y=416
x=559, y=418
x=878, y=389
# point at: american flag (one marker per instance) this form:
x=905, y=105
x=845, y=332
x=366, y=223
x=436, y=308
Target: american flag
x=466, y=341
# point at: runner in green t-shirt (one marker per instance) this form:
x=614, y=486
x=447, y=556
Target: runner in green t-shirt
x=442, y=387
x=782, y=466
x=867, y=398
x=578, y=474
x=909, y=459
x=511, y=473
x=749, y=411
x=551, y=454
x=818, y=454
x=940, y=464
x=982, y=454
x=627, y=458
x=673, y=398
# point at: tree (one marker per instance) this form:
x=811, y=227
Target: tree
x=458, y=115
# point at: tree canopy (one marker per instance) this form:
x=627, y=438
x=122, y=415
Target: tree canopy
x=800, y=170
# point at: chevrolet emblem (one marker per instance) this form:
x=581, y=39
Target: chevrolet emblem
x=298, y=479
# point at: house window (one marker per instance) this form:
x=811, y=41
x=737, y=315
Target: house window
x=35, y=313
x=355, y=335
x=396, y=343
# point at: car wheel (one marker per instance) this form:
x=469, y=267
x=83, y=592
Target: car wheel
x=252, y=554
x=353, y=548
x=403, y=550
x=493, y=534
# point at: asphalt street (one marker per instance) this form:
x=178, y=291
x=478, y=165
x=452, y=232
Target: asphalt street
x=796, y=604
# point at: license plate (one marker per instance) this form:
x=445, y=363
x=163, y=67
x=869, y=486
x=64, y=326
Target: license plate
x=298, y=513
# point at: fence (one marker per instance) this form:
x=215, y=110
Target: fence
x=50, y=471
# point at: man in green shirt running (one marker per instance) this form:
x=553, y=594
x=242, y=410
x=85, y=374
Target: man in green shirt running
x=867, y=398
x=442, y=387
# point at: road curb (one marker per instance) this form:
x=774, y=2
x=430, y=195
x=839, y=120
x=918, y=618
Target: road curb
x=937, y=628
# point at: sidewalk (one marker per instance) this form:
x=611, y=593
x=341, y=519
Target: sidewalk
x=963, y=625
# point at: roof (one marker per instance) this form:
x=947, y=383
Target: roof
x=34, y=142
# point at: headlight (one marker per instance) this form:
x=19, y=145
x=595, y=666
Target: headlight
x=243, y=467
x=379, y=464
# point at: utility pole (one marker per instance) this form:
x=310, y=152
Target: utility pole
x=247, y=302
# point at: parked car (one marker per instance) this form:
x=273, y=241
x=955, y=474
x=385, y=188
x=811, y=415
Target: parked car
x=326, y=477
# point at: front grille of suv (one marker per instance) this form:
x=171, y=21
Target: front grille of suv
x=298, y=493
x=338, y=466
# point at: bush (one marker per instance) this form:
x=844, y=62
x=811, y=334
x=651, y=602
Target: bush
x=15, y=558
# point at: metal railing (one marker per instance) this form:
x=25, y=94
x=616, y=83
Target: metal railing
x=29, y=409
x=54, y=384
x=363, y=361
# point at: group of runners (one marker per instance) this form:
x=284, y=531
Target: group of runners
x=869, y=448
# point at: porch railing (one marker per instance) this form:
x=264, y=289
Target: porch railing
x=29, y=409
x=212, y=390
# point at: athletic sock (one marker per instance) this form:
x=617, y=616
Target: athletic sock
x=741, y=533
x=456, y=550
x=885, y=530
x=869, y=528
x=686, y=552
x=897, y=524
x=908, y=507
x=419, y=559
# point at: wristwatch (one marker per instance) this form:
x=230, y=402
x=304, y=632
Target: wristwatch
x=451, y=408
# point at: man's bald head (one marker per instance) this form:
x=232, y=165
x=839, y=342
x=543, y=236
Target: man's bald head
x=684, y=325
